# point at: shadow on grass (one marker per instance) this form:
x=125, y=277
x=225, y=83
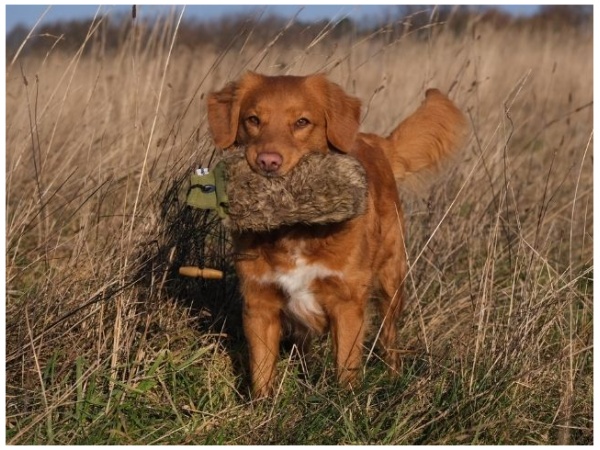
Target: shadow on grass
x=193, y=237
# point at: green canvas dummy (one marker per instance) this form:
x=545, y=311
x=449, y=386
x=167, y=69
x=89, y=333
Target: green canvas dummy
x=208, y=190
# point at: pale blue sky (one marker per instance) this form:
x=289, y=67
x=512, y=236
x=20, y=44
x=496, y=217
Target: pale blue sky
x=28, y=15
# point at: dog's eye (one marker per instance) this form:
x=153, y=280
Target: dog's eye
x=302, y=122
x=253, y=120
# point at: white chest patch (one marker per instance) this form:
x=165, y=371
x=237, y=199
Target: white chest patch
x=296, y=284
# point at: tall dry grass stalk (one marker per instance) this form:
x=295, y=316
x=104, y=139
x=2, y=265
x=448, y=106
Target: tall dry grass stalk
x=499, y=297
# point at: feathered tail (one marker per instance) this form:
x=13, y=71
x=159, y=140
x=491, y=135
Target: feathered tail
x=431, y=134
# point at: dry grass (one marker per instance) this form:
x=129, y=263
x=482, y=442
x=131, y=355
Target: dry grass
x=105, y=344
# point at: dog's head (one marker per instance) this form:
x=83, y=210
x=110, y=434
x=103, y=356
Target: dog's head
x=282, y=118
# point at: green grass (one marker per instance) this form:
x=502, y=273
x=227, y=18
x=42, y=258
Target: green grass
x=190, y=397
x=106, y=344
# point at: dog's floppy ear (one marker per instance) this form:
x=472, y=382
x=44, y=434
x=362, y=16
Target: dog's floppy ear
x=342, y=113
x=223, y=115
x=224, y=108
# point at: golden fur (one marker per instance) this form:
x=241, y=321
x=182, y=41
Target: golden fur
x=321, y=277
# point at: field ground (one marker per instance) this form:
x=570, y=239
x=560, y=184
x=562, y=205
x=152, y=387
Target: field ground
x=106, y=344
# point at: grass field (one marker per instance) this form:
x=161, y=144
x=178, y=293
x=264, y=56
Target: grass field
x=106, y=344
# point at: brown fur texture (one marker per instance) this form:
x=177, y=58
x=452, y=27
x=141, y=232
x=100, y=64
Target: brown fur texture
x=320, y=189
x=321, y=278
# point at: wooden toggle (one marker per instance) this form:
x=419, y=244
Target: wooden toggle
x=197, y=272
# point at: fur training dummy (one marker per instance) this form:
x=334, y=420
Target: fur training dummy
x=320, y=189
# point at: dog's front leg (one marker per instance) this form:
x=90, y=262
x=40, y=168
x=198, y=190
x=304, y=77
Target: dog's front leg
x=262, y=327
x=348, y=329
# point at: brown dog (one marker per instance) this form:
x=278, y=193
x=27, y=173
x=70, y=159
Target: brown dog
x=321, y=277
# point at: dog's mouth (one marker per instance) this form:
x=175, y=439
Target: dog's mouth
x=267, y=174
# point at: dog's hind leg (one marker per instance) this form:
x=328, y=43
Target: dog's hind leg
x=390, y=303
